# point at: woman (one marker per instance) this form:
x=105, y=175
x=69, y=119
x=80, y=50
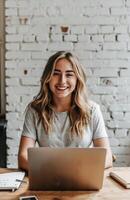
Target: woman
x=61, y=114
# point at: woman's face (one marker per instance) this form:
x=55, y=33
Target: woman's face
x=63, y=81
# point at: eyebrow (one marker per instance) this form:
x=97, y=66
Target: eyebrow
x=57, y=70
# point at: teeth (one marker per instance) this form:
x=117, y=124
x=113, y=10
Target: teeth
x=61, y=88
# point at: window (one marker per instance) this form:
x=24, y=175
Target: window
x=2, y=72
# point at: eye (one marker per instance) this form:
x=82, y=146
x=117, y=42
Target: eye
x=56, y=73
x=69, y=75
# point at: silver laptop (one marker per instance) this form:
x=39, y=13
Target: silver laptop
x=66, y=168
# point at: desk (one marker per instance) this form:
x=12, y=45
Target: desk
x=111, y=191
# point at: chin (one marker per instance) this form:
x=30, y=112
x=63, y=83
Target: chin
x=59, y=95
x=62, y=96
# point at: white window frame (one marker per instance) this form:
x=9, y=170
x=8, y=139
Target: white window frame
x=2, y=58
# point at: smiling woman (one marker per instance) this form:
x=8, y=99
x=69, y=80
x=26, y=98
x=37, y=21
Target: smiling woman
x=62, y=115
x=62, y=83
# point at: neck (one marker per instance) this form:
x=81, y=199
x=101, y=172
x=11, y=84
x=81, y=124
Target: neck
x=62, y=104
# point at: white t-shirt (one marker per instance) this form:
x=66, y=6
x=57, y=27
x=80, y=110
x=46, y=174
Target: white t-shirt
x=60, y=135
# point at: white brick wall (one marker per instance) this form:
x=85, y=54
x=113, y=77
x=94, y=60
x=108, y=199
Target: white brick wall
x=98, y=33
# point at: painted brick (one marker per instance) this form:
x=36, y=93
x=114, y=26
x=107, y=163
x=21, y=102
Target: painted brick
x=125, y=73
x=12, y=46
x=95, y=98
x=32, y=63
x=30, y=81
x=71, y=38
x=121, y=150
x=57, y=46
x=113, y=81
x=118, y=115
x=114, y=142
x=121, y=133
x=102, y=90
x=14, y=38
x=24, y=29
x=128, y=46
x=71, y=10
x=120, y=11
x=53, y=11
x=17, y=55
x=91, y=29
x=107, y=99
x=106, y=116
x=11, y=12
x=95, y=12
x=98, y=33
x=83, y=38
x=39, y=11
x=12, y=20
x=29, y=38
x=120, y=107
x=128, y=3
x=26, y=11
x=121, y=29
x=11, y=4
x=123, y=37
x=105, y=20
x=118, y=124
x=92, y=80
x=88, y=46
x=110, y=133
x=106, y=29
x=124, y=142
x=12, y=82
x=77, y=29
x=105, y=72
x=26, y=99
x=32, y=47
x=115, y=46
x=10, y=29
x=124, y=91
x=109, y=37
x=97, y=38
x=115, y=3
x=102, y=3
x=123, y=160
x=127, y=116
x=36, y=55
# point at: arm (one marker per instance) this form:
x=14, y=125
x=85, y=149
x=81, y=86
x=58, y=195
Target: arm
x=25, y=143
x=28, y=137
x=104, y=142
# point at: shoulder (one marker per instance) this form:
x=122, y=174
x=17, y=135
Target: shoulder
x=30, y=111
x=93, y=106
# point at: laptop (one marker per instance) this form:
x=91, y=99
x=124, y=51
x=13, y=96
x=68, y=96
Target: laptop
x=66, y=169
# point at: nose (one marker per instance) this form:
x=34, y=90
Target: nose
x=62, y=79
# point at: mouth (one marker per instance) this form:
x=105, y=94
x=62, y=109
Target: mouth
x=61, y=88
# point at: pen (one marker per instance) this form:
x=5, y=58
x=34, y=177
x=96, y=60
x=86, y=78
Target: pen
x=18, y=180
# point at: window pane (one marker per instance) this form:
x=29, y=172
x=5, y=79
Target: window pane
x=2, y=76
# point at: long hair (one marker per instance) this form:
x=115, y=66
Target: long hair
x=79, y=113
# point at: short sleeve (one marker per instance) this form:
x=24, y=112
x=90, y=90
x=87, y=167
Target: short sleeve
x=29, y=128
x=99, y=130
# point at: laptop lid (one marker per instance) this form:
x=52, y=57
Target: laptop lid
x=66, y=168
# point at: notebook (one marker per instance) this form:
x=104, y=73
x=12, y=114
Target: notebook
x=123, y=177
x=66, y=168
x=11, y=180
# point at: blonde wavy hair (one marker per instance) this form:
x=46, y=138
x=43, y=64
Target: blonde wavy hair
x=79, y=113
